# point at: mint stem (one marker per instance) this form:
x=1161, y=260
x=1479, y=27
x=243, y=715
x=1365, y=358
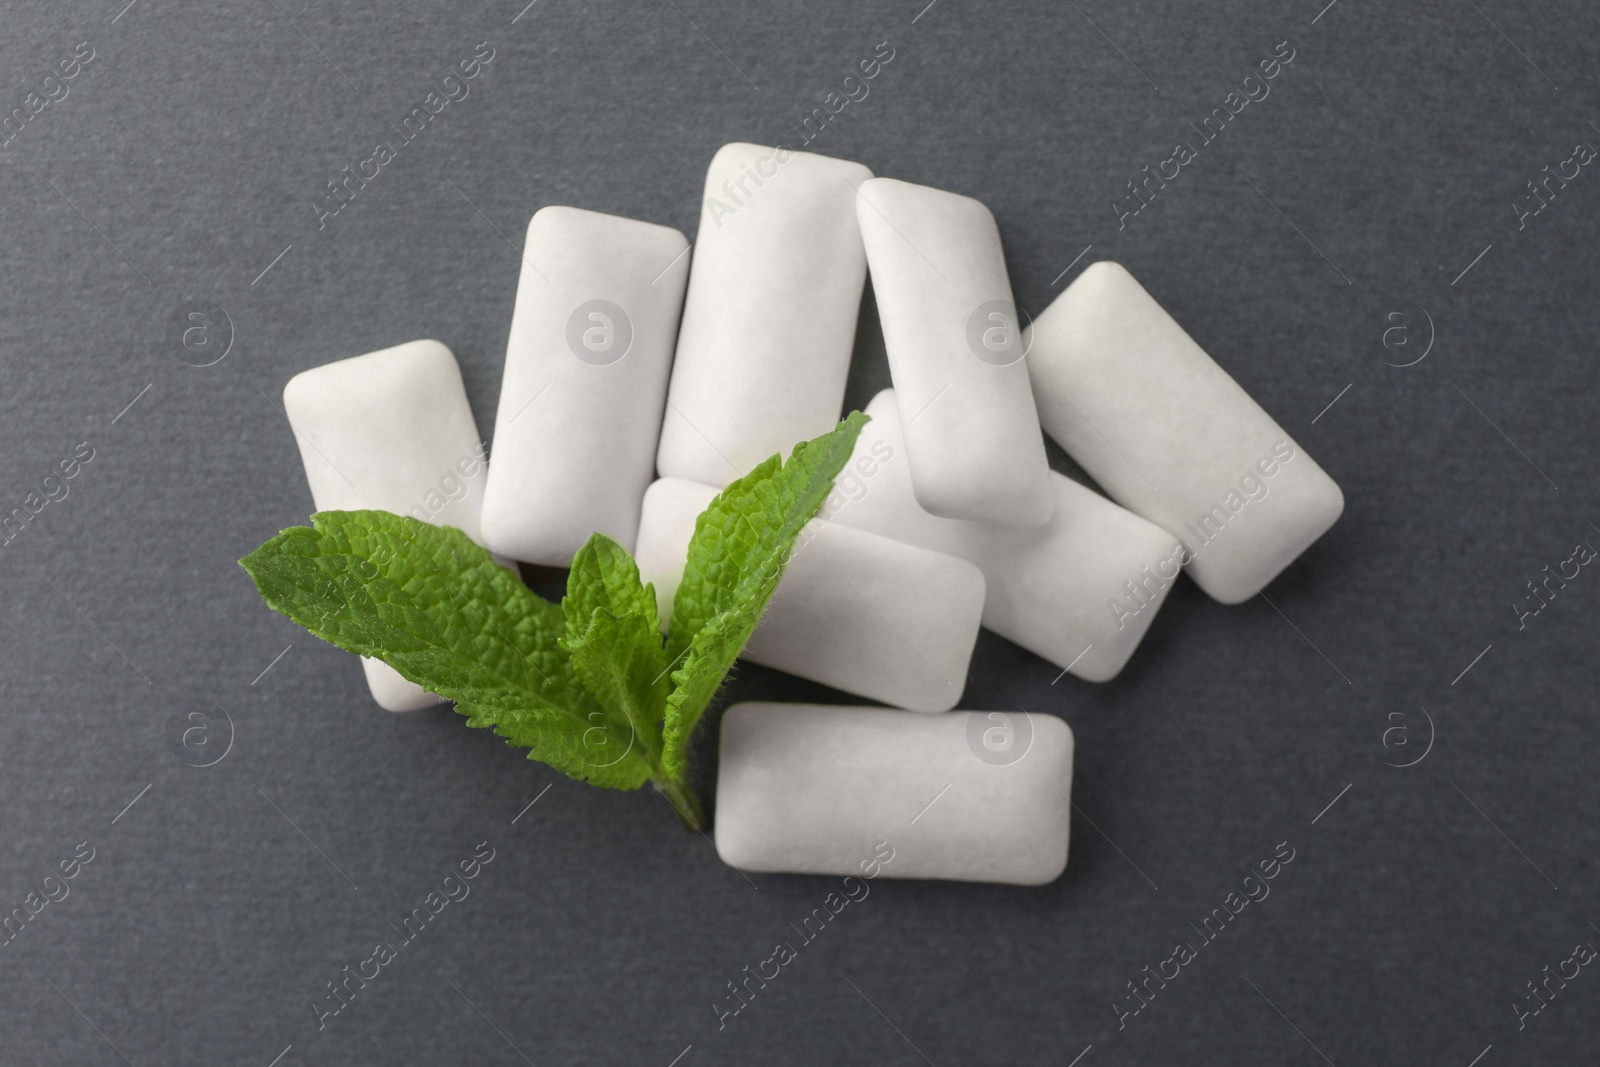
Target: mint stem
x=683, y=800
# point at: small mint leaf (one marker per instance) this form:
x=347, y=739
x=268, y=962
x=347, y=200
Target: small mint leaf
x=603, y=575
x=614, y=640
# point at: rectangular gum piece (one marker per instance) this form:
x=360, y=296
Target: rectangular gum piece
x=770, y=318
x=1079, y=591
x=950, y=328
x=970, y=796
x=585, y=383
x=391, y=431
x=1171, y=436
x=858, y=612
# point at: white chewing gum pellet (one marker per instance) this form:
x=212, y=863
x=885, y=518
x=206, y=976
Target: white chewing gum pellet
x=585, y=383
x=955, y=354
x=855, y=611
x=971, y=796
x=391, y=431
x=1080, y=591
x=1171, y=436
x=770, y=319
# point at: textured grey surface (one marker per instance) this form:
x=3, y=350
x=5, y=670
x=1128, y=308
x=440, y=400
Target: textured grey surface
x=186, y=157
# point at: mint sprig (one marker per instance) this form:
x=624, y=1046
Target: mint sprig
x=587, y=686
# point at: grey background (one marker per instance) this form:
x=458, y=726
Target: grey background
x=1386, y=159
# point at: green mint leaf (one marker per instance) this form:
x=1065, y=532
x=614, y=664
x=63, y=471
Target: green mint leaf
x=436, y=607
x=706, y=663
x=741, y=544
x=614, y=640
x=603, y=575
